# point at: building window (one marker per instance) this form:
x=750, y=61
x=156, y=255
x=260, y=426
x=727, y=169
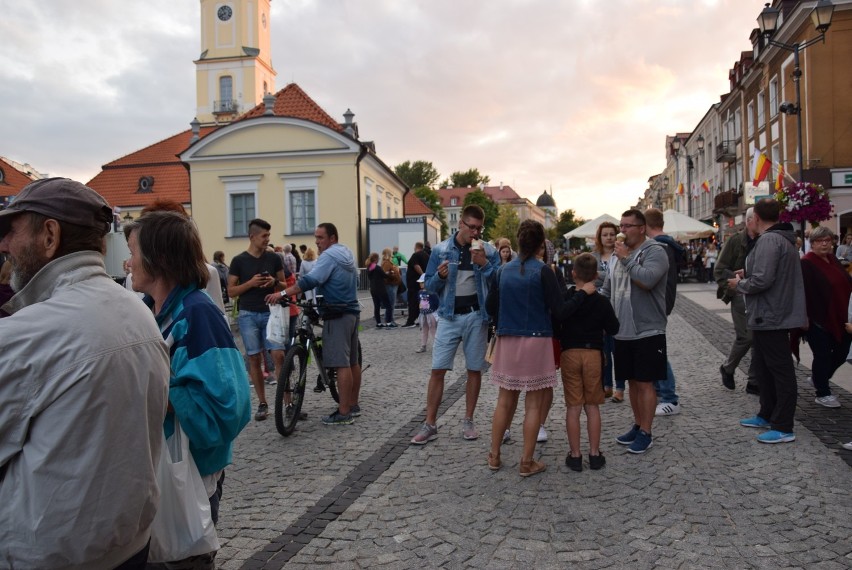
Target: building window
x=454, y=201
x=226, y=88
x=302, y=212
x=761, y=115
x=750, y=119
x=389, y=214
x=242, y=210
x=773, y=97
x=453, y=218
x=368, y=193
x=379, y=207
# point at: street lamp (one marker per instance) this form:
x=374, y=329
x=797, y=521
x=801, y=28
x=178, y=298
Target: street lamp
x=768, y=22
x=678, y=147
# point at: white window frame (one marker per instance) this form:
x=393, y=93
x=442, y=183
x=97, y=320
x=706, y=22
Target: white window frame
x=299, y=182
x=750, y=118
x=774, y=84
x=238, y=185
x=761, y=111
x=368, y=195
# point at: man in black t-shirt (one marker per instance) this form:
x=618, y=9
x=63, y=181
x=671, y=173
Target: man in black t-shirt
x=416, y=267
x=253, y=275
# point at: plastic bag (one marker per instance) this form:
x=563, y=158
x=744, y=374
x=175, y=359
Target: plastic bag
x=278, y=324
x=183, y=525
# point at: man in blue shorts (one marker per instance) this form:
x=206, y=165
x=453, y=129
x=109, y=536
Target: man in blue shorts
x=636, y=287
x=335, y=277
x=459, y=270
x=253, y=275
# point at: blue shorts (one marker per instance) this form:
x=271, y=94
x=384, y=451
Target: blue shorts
x=253, y=332
x=468, y=329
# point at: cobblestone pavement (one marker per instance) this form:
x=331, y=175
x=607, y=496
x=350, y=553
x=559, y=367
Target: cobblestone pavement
x=707, y=493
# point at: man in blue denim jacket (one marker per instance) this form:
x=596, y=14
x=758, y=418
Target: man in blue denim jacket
x=459, y=270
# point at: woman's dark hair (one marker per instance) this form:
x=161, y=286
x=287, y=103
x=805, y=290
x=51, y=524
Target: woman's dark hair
x=170, y=248
x=530, y=239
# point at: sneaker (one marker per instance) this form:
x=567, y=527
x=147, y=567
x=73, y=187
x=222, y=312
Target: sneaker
x=629, y=436
x=574, y=463
x=409, y=325
x=262, y=412
x=355, y=411
x=727, y=379
x=532, y=467
x=847, y=445
x=426, y=434
x=468, y=430
x=753, y=389
x=380, y=325
x=597, y=461
x=642, y=443
x=755, y=422
x=507, y=435
x=542, y=435
x=829, y=401
x=421, y=349
x=775, y=436
x=338, y=419
x=667, y=409
x=270, y=381
x=391, y=325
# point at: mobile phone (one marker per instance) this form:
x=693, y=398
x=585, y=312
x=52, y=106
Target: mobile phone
x=264, y=273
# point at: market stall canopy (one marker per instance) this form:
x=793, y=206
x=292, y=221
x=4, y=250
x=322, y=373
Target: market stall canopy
x=588, y=229
x=682, y=227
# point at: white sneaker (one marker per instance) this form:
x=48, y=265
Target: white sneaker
x=542, y=435
x=829, y=401
x=507, y=435
x=667, y=409
x=847, y=445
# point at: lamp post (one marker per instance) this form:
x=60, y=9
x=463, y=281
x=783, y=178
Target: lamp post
x=768, y=22
x=679, y=150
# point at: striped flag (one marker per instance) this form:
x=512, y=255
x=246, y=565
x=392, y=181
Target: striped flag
x=761, y=167
x=706, y=186
x=779, y=181
x=680, y=188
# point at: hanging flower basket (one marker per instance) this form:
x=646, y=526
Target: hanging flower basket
x=804, y=202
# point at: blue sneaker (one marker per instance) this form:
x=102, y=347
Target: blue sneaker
x=355, y=411
x=642, y=443
x=337, y=419
x=628, y=437
x=775, y=436
x=755, y=422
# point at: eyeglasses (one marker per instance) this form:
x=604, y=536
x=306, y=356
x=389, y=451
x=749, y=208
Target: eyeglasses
x=625, y=226
x=822, y=240
x=472, y=228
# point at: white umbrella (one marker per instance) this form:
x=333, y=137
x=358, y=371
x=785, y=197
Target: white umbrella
x=589, y=229
x=682, y=227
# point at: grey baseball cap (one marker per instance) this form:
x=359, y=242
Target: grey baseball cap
x=62, y=199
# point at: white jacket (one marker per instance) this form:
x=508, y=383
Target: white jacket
x=84, y=378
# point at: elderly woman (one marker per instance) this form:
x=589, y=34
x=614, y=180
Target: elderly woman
x=208, y=388
x=827, y=290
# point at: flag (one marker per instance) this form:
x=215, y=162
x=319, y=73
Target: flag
x=779, y=181
x=680, y=188
x=706, y=186
x=761, y=167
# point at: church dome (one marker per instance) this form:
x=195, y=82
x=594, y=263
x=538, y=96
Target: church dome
x=545, y=201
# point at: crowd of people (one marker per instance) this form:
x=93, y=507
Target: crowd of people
x=69, y=422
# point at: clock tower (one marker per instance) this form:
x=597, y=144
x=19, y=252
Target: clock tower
x=234, y=70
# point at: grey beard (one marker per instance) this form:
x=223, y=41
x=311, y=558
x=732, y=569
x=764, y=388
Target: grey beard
x=18, y=281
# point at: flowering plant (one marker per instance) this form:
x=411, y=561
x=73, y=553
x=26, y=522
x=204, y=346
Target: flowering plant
x=804, y=202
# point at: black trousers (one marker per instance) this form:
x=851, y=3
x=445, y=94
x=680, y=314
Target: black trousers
x=413, y=302
x=773, y=366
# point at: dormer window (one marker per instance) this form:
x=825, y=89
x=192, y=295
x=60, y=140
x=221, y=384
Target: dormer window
x=454, y=201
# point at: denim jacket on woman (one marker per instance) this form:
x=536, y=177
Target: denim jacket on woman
x=523, y=309
x=449, y=250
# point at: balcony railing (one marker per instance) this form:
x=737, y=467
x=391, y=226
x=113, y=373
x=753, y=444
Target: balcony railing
x=726, y=151
x=726, y=201
x=226, y=107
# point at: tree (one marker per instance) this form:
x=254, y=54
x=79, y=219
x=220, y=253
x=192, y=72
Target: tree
x=430, y=198
x=470, y=178
x=506, y=225
x=488, y=206
x=567, y=222
x=418, y=173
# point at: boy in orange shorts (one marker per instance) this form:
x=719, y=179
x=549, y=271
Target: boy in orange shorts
x=581, y=340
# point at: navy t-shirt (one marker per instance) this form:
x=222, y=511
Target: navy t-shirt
x=245, y=266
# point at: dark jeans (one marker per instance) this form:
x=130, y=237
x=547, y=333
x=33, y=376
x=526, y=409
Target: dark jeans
x=137, y=561
x=829, y=355
x=380, y=300
x=773, y=366
x=609, y=344
x=413, y=302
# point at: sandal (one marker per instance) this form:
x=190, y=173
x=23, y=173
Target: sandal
x=494, y=463
x=618, y=396
x=531, y=467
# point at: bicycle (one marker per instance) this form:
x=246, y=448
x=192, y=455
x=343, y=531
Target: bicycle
x=293, y=376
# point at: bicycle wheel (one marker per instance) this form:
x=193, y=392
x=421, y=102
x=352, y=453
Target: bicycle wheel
x=332, y=376
x=291, y=380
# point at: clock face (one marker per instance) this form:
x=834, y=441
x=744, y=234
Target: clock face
x=224, y=13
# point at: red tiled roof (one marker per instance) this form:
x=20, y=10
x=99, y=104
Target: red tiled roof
x=13, y=179
x=119, y=179
x=414, y=206
x=499, y=194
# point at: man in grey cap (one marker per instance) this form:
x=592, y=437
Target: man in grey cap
x=83, y=382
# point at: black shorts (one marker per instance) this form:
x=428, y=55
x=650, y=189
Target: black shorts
x=643, y=359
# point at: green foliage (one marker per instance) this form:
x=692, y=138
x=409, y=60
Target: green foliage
x=506, y=224
x=431, y=198
x=471, y=178
x=418, y=173
x=482, y=200
x=567, y=222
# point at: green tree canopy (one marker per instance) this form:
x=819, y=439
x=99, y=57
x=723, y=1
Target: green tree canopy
x=482, y=200
x=506, y=225
x=418, y=173
x=568, y=220
x=471, y=178
x=430, y=198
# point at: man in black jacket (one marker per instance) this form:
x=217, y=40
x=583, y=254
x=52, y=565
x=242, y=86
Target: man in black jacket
x=416, y=266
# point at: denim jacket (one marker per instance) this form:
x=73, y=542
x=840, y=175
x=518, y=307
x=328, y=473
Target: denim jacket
x=446, y=288
x=527, y=314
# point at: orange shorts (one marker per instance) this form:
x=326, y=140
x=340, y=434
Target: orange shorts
x=582, y=376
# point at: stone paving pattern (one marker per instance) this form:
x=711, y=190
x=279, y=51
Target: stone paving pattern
x=706, y=494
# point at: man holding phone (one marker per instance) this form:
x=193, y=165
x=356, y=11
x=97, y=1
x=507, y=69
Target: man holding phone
x=253, y=275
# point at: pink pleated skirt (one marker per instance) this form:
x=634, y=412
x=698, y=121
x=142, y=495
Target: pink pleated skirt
x=524, y=363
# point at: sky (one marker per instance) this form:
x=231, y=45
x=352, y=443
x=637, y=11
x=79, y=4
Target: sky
x=573, y=96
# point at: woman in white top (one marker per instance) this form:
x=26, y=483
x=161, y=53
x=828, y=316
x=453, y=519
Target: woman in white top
x=710, y=261
x=308, y=261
